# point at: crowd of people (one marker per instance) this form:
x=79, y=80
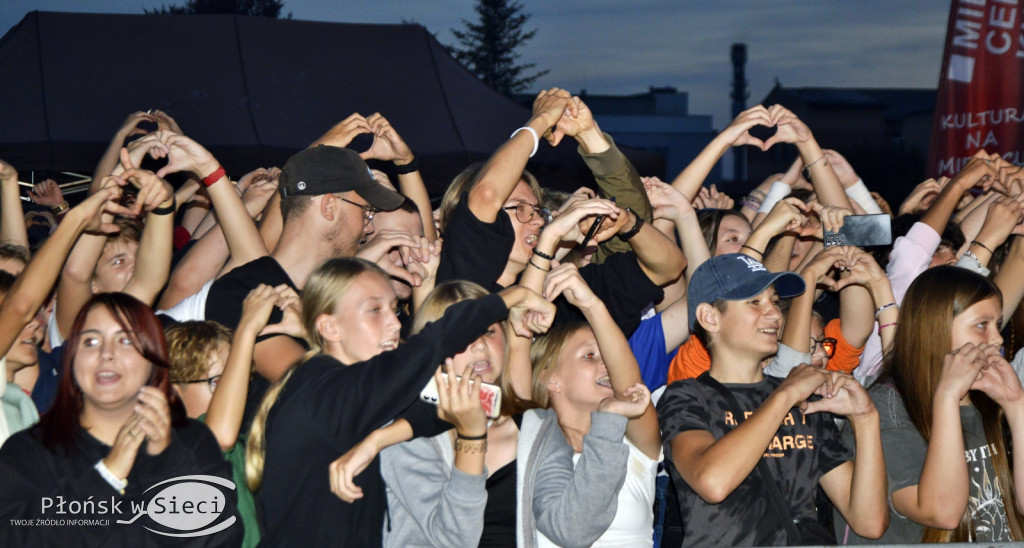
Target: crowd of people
x=640, y=363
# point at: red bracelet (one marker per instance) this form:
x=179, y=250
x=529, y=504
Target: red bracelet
x=215, y=176
x=881, y=327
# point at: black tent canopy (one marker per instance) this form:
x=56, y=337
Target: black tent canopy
x=253, y=90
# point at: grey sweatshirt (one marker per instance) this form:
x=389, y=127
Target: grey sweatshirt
x=431, y=503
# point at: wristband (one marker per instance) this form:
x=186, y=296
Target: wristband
x=778, y=191
x=471, y=438
x=858, y=192
x=534, y=265
x=109, y=477
x=883, y=307
x=536, y=138
x=881, y=327
x=626, y=236
x=745, y=246
x=59, y=210
x=215, y=176
x=983, y=246
x=406, y=169
x=807, y=168
x=166, y=210
x=542, y=255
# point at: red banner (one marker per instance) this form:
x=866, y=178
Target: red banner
x=981, y=93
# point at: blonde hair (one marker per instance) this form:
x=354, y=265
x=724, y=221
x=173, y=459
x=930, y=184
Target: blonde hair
x=324, y=288
x=544, y=354
x=434, y=306
x=465, y=181
x=190, y=345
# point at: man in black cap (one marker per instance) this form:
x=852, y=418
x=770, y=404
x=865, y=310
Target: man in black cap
x=328, y=199
x=731, y=432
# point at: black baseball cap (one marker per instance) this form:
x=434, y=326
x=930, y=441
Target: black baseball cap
x=325, y=169
x=734, y=277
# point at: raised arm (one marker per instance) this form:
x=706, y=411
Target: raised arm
x=976, y=171
x=623, y=371
x=792, y=130
x=32, y=288
x=111, y=156
x=500, y=175
x=690, y=180
x=939, y=499
x=388, y=146
x=12, y=218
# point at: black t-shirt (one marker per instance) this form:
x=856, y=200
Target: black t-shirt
x=224, y=306
x=30, y=471
x=623, y=287
x=474, y=250
x=805, y=448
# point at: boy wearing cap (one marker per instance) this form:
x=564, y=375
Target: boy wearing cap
x=328, y=197
x=734, y=427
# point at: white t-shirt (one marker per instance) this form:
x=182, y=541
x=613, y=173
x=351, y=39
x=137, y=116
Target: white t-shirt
x=633, y=525
x=192, y=307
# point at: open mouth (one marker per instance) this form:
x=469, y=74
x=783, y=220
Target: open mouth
x=389, y=345
x=107, y=377
x=604, y=381
x=481, y=367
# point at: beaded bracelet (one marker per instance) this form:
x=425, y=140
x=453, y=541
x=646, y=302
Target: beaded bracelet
x=542, y=255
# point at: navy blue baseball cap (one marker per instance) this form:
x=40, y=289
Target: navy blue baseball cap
x=735, y=277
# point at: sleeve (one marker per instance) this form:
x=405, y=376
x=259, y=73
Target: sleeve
x=448, y=509
x=389, y=383
x=423, y=419
x=623, y=287
x=24, y=473
x=682, y=409
x=617, y=178
x=910, y=256
x=847, y=356
x=648, y=345
x=474, y=250
x=226, y=295
x=575, y=507
x=785, y=360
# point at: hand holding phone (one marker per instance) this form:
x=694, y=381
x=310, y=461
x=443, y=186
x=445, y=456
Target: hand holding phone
x=490, y=395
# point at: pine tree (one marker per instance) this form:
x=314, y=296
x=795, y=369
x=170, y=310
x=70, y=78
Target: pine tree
x=255, y=8
x=488, y=47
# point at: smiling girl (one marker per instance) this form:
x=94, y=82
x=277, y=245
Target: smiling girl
x=359, y=379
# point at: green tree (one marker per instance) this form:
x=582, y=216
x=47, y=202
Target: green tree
x=255, y=8
x=488, y=47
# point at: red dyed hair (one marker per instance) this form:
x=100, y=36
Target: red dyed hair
x=60, y=424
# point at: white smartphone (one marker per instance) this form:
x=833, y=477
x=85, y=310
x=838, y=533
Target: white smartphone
x=490, y=396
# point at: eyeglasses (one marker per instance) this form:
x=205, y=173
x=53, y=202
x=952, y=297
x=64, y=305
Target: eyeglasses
x=211, y=382
x=828, y=344
x=525, y=212
x=368, y=211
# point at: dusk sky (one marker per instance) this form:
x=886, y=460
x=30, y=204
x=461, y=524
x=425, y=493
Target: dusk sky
x=619, y=47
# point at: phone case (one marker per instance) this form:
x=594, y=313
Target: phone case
x=862, y=231
x=490, y=396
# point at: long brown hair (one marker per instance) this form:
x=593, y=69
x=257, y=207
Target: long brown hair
x=923, y=338
x=60, y=424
